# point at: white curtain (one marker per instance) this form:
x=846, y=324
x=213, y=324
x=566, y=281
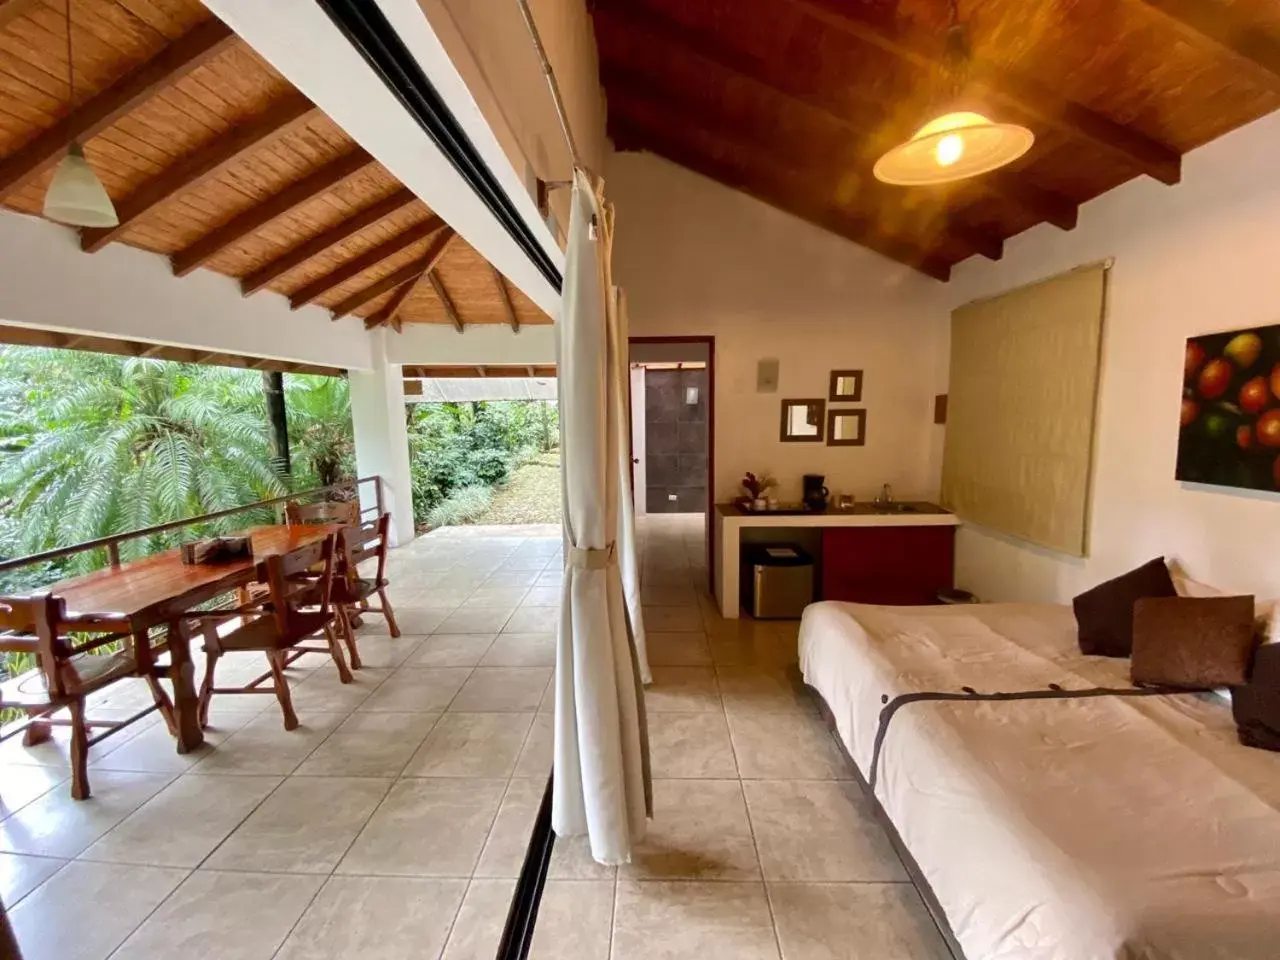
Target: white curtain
x=628, y=554
x=602, y=785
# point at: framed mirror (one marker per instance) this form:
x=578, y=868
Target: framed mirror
x=802, y=421
x=846, y=428
x=846, y=386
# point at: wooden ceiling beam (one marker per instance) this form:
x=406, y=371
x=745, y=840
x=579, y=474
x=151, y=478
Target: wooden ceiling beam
x=167, y=67
x=366, y=261
x=201, y=165
x=390, y=313
x=1014, y=188
x=1211, y=26
x=309, y=249
x=445, y=301
x=505, y=296
x=412, y=271
x=782, y=192
x=1017, y=90
x=11, y=10
x=258, y=216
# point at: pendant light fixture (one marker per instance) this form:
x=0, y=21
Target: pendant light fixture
x=958, y=144
x=76, y=196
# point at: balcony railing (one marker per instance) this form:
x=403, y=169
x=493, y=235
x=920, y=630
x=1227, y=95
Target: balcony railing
x=111, y=544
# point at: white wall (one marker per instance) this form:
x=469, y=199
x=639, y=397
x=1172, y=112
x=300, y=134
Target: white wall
x=1199, y=257
x=698, y=258
x=47, y=281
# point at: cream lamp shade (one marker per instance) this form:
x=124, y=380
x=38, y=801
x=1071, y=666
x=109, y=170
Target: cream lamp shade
x=76, y=195
x=953, y=147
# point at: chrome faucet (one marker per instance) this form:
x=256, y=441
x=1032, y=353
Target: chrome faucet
x=886, y=496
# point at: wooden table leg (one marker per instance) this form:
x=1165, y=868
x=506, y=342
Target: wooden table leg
x=186, y=705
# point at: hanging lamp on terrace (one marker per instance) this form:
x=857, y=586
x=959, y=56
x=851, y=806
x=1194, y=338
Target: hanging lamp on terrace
x=76, y=196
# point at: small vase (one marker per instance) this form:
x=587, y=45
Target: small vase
x=760, y=503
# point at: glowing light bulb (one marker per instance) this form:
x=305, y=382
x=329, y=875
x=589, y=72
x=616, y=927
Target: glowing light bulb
x=950, y=148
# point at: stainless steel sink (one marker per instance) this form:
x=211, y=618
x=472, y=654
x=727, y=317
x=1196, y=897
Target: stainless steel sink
x=895, y=508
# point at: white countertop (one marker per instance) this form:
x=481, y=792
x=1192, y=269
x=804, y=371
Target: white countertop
x=860, y=516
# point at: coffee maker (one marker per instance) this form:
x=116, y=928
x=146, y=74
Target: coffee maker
x=815, y=493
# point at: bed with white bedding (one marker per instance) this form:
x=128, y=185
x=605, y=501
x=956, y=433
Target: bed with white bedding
x=1078, y=829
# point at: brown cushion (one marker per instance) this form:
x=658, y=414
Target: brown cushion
x=1256, y=705
x=1195, y=642
x=1104, y=615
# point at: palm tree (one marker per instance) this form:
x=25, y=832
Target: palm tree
x=320, y=435
x=92, y=445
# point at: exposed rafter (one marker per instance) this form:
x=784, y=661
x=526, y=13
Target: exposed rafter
x=505, y=296
x=366, y=261
x=389, y=314
x=258, y=216
x=205, y=162
x=445, y=301
x=626, y=97
x=317, y=245
x=166, y=67
x=1018, y=91
x=11, y=10
x=423, y=264
x=1212, y=26
x=783, y=191
x=1044, y=205
x=453, y=370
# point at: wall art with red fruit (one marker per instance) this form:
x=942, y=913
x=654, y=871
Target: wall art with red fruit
x=1230, y=433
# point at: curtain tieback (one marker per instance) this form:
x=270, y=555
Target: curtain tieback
x=586, y=558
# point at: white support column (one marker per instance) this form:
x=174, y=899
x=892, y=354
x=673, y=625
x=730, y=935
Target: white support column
x=382, y=440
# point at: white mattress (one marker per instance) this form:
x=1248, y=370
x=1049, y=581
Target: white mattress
x=1055, y=829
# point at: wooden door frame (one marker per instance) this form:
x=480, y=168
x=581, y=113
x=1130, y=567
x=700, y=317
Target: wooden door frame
x=710, y=341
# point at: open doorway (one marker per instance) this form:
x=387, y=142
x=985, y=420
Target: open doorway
x=673, y=427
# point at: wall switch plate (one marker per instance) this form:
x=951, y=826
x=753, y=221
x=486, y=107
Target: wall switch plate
x=767, y=375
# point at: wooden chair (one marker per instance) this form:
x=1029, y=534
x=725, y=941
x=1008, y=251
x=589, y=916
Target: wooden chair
x=67, y=671
x=351, y=592
x=297, y=606
x=325, y=511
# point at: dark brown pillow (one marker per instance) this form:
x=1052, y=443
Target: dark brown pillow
x=1194, y=642
x=1256, y=705
x=1104, y=615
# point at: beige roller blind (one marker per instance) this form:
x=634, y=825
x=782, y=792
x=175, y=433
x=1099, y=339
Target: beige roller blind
x=1020, y=418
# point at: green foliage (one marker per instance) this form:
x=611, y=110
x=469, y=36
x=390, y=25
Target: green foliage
x=465, y=445
x=321, y=442
x=461, y=506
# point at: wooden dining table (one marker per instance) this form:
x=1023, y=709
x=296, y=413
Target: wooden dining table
x=155, y=591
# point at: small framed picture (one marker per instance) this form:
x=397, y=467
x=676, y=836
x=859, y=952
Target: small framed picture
x=846, y=386
x=846, y=428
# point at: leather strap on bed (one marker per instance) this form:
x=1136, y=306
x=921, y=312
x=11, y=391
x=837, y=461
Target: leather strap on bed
x=1052, y=692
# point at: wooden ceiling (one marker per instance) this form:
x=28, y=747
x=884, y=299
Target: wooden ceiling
x=792, y=101
x=214, y=160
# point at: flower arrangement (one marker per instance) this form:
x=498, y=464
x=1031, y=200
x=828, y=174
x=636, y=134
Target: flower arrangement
x=756, y=486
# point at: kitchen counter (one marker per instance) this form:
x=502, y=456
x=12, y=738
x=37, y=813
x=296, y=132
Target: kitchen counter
x=729, y=522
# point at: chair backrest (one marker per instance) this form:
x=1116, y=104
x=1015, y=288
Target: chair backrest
x=365, y=542
x=303, y=565
x=30, y=625
x=325, y=511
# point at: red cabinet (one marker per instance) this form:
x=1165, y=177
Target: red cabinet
x=890, y=565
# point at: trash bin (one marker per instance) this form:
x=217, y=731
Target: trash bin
x=778, y=580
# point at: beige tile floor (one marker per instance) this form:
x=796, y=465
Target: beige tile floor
x=392, y=824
